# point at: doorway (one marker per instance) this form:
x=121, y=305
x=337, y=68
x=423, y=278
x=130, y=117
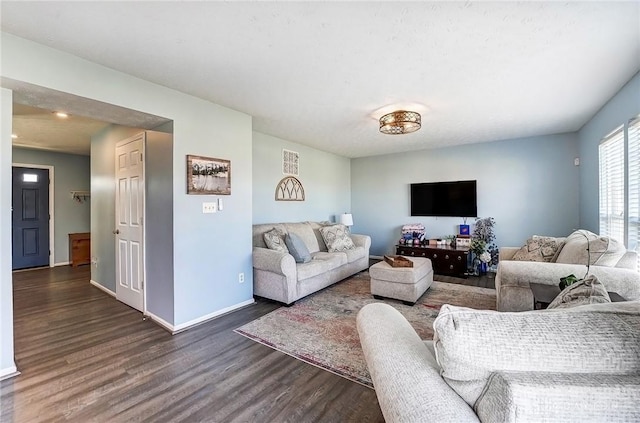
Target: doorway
x=31, y=221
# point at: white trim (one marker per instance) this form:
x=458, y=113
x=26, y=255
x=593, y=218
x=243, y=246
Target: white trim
x=102, y=288
x=376, y=257
x=62, y=263
x=161, y=322
x=199, y=320
x=191, y=323
x=51, y=205
x=9, y=372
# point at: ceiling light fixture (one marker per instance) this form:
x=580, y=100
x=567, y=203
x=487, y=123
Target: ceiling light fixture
x=62, y=115
x=400, y=122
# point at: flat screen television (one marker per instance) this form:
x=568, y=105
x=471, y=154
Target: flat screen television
x=455, y=199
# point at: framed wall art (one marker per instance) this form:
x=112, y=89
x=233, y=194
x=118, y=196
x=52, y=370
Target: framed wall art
x=208, y=176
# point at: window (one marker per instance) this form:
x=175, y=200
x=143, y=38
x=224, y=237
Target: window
x=633, y=242
x=620, y=184
x=29, y=177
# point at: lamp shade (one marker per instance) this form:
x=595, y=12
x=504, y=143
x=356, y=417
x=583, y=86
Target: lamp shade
x=346, y=219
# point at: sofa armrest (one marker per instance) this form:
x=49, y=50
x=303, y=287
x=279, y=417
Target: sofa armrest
x=407, y=381
x=274, y=261
x=538, y=396
x=361, y=241
x=507, y=253
x=521, y=274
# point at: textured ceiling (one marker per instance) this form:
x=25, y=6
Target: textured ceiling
x=320, y=73
x=38, y=127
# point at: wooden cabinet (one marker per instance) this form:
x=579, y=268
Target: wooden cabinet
x=79, y=248
x=444, y=260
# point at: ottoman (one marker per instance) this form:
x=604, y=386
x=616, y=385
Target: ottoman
x=401, y=283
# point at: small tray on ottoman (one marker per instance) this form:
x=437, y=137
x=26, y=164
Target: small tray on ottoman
x=398, y=261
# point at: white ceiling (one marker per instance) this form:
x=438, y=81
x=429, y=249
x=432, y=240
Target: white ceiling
x=320, y=73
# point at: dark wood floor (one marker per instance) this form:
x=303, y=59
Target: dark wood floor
x=86, y=357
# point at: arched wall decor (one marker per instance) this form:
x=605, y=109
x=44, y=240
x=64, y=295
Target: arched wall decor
x=289, y=189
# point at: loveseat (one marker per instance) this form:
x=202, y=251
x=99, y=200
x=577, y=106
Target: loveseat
x=579, y=364
x=611, y=263
x=277, y=276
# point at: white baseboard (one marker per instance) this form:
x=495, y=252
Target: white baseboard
x=199, y=320
x=376, y=257
x=62, y=263
x=102, y=288
x=191, y=323
x=161, y=322
x=9, y=372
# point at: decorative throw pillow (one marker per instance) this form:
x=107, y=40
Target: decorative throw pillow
x=337, y=238
x=539, y=248
x=275, y=240
x=297, y=248
x=587, y=291
x=583, y=246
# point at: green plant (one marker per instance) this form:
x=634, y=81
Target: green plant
x=568, y=280
x=477, y=246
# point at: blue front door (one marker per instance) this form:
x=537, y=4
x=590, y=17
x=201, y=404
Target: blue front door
x=30, y=217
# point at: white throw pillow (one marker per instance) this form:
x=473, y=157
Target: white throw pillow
x=602, y=250
x=275, y=240
x=337, y=238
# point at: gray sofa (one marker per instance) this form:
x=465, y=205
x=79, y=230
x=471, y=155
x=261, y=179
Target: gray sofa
x=277, y=276
x=578, y=364
x=615, y=267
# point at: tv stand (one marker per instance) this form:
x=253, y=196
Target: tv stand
x=444, y=260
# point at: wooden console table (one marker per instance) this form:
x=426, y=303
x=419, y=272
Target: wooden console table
x=444, y=260
x=79, y=248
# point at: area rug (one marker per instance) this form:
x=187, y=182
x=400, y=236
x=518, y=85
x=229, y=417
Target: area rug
x=321, y=328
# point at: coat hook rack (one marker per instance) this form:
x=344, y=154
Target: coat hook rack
x=80, y=196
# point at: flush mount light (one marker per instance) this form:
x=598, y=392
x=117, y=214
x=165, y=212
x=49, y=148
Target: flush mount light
x=400, y=122
x=61, y=115
x=14, y=136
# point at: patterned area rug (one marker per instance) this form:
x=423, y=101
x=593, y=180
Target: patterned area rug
x=321, y=329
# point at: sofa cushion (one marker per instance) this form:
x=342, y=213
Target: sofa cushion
x=297, y=248
x=316, y=231
x=334, y=259
x=275, y=240
x=559, y=397
x=337, y=238
x=258, y=231
x=586, y=291
x=355, y=254
x=305, y=232
x=539, y=248
x=472, y=344
x=603, y=250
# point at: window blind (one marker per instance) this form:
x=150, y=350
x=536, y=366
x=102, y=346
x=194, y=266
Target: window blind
x=612, y=189
x=634, y=186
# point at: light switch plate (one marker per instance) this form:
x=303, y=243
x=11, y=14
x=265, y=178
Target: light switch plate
x=209, y=207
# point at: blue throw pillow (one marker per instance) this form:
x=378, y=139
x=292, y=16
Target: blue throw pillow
x=297, y=248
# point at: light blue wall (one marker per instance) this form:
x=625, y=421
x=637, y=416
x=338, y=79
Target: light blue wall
x=103, y=204
x=529, y=185
x=205, y=279
x=325, y=177
x=71, y=173
x=622, y=107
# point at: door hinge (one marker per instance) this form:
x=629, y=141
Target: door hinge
x=140, y=156
x=142, y=284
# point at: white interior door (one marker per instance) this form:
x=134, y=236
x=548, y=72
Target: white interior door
x=129, y=230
